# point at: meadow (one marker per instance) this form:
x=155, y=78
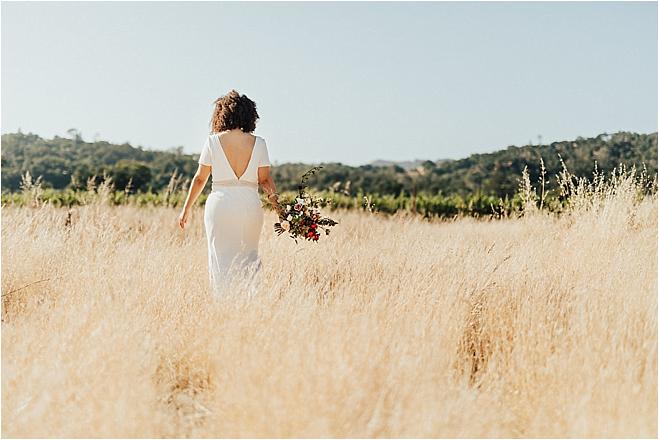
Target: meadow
x=534, y=325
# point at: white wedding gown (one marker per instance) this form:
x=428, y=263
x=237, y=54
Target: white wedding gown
x=233, y=216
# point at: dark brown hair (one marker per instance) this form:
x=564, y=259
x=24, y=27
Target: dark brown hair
x=234, y=110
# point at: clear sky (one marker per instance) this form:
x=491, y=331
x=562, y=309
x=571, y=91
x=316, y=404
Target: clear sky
x=333, y=81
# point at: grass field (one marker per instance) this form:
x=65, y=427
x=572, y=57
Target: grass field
x=539, y=326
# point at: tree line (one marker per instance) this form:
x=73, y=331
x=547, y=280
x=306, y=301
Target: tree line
x=70, y=163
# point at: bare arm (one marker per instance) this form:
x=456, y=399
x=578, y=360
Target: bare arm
x=268, y=184
x=197, y=185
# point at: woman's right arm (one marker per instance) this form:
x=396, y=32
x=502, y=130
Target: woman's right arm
x=196, y=187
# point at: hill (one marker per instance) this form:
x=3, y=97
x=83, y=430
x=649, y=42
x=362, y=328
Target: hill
x=67, y=162
x=405, y=164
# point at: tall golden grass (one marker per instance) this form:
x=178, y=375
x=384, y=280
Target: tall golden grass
x=539, y=326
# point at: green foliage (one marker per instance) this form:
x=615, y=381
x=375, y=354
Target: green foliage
x=427, y=205
x=71, y=163
x=131, y=175
x=572, y=190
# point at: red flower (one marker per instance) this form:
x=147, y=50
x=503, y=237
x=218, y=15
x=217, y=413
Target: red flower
x=314, y=226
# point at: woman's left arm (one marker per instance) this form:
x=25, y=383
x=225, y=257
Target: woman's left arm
x=198, y=183
x=268, y=184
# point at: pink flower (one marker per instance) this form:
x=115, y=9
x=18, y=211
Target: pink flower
x=297, y=206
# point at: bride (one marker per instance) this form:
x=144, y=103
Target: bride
x=233, y=215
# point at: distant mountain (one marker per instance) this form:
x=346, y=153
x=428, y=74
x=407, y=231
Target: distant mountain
x=67, y=162
x=406, y=164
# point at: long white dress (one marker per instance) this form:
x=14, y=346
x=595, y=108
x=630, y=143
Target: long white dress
x=233, y=216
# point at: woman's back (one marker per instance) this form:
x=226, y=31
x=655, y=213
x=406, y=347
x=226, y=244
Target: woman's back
x=234, y=156
x=238, y=149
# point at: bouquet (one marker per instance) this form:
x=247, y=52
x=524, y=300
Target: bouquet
x=300, y=215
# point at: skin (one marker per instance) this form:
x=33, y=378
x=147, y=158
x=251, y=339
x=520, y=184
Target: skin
x=238, y=148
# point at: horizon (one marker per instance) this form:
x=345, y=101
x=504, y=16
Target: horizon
x=418, y=159
x=398, y=81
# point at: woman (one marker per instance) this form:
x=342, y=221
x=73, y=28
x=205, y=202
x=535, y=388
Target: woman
x=233, y=215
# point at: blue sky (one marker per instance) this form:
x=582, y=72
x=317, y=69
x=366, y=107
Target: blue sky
x=333, y=81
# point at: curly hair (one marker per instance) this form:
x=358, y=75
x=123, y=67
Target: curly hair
x=234, y=110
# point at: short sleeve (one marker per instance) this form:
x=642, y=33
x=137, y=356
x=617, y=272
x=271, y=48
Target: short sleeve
x=265, y=158
x=205, y=156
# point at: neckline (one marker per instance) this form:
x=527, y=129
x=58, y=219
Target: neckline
x=226, y=159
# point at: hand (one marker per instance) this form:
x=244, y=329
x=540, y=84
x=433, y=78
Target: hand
x=183, y=218
x=274, y=201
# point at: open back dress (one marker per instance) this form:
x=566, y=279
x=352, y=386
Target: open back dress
x=233, y=215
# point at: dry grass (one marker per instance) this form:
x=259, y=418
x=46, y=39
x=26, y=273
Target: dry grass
x=533, y=327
